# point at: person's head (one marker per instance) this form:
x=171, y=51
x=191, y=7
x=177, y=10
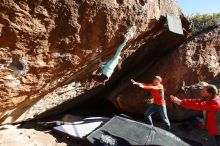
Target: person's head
x=209, y=91
x=157, y=80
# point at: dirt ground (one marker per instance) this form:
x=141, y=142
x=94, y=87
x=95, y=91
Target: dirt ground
x=32, y=134
x=29, y=134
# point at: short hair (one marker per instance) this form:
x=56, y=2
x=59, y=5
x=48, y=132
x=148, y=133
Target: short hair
x=158, y=78
x=212, y=89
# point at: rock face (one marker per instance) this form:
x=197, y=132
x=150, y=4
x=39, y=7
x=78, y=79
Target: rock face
x=198, y=59
x=47, y=44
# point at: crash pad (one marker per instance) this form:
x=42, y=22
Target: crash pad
x=120, y=131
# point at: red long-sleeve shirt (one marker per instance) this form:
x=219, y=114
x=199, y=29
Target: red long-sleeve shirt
x=157, y=92
x=212, y=108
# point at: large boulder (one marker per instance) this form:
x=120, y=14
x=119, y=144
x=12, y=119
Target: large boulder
x=47, y=44
x=196, y=60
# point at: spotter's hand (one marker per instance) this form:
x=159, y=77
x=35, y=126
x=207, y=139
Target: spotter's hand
x=136, y=83
x=175, y=99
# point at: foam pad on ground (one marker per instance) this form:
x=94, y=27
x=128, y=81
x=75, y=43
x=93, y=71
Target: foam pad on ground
x=125, y=132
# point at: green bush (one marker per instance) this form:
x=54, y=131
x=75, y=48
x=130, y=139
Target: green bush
x=202, y=21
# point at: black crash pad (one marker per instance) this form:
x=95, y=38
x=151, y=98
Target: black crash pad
x=121, y=131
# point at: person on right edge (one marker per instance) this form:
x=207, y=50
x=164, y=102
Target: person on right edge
x=210, y=104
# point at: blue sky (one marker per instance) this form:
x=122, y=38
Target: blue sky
x=199, y=6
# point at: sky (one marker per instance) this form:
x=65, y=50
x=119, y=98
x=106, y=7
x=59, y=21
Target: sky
x=199, y=6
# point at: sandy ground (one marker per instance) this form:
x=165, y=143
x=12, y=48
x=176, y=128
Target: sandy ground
x=11, y=136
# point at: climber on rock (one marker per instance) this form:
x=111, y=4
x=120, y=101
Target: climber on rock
x=109, y=67
x=209, y=104
x=158, y=103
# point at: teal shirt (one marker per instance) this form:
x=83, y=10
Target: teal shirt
x=109, y=67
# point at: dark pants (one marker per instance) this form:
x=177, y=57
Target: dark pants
x=163, y=113
x=217, y=140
